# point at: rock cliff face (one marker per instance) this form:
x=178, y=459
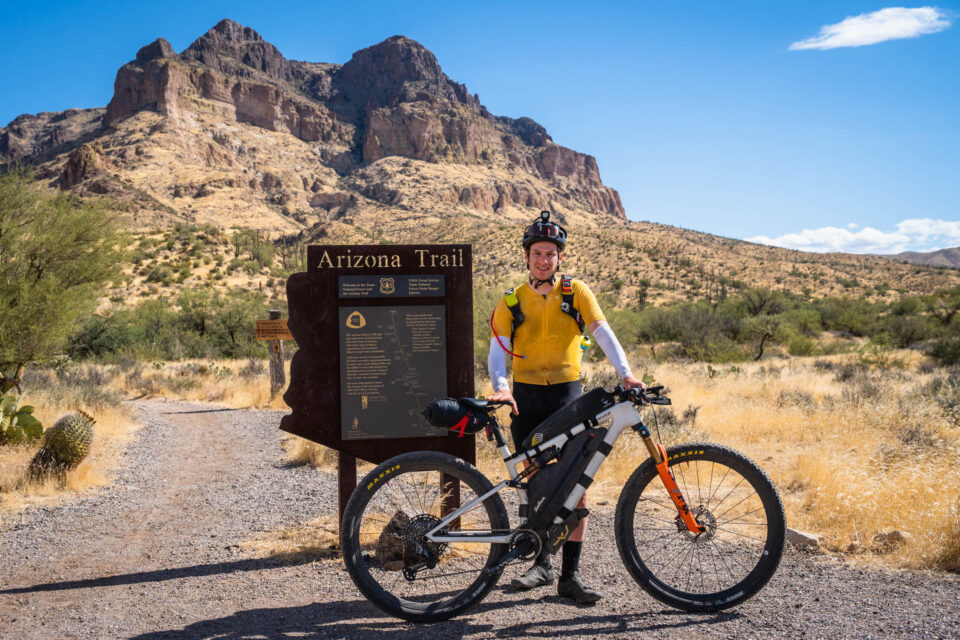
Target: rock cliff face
x=388, y=100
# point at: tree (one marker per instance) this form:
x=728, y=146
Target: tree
x=56, y=254
x=944, y=304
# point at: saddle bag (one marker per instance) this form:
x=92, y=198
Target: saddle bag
x=549, y=487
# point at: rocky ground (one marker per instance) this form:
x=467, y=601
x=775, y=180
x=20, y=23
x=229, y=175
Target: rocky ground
x=161, y=555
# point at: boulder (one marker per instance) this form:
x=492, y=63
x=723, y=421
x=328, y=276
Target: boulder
x=802, y=539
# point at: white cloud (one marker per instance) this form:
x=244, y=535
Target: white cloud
x=851, y=225
x=915, y=234
x=893, y=23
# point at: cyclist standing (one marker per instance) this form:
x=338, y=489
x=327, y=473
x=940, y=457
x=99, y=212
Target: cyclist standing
x=540, y=324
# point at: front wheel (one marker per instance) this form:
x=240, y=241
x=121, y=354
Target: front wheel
x=383, y=536
x=729, y=562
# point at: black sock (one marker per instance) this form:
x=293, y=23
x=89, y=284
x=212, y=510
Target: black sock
x=544, y=560
x=571, y=559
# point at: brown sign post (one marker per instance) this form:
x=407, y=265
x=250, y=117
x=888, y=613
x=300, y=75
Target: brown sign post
x=275, y=330
x=382, y=331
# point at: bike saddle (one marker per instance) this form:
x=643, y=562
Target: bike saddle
x=473, y=404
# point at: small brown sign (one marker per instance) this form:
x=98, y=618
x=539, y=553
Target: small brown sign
x=273, y=330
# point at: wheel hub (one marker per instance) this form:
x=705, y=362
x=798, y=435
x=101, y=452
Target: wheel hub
x=705, y=519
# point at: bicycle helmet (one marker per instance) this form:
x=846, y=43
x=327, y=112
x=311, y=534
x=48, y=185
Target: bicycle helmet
x=543, y=229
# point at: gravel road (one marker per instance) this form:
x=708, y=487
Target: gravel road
x=156, y=556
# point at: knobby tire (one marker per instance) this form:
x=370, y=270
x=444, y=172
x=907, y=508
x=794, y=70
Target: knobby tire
x=721, y=568
x=381, y=535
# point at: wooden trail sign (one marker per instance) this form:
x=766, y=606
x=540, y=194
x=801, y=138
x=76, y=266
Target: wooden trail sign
x=275, y=330
x=382, y=331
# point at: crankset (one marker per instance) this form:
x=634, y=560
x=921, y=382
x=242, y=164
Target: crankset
x=524, y=545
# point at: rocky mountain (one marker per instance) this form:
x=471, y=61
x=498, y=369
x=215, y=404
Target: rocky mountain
x=231, y=132
x=942, y=258
x=384, y=148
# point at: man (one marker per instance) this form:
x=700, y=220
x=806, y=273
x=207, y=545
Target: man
x=546, y=345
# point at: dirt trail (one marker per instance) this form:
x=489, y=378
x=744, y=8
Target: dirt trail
x=156, y=556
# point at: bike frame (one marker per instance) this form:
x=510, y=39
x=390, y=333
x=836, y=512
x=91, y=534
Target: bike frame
x=616, y=419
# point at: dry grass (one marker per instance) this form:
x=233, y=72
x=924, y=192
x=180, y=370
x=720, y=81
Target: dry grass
x=318, y=538
x=854, y=451
x=239, y=384
x=113, y=429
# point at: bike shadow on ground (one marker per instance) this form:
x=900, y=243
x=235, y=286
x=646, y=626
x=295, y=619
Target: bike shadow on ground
x=358, y=619
x=160, y=575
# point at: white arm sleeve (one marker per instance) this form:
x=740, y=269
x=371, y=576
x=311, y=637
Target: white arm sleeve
x=612, y=349
x=497, y=364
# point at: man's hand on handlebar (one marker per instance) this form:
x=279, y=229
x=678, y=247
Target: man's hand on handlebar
x=504, y=395
x=629, y=382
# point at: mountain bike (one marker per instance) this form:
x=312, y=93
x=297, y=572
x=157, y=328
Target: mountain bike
x=426, y=535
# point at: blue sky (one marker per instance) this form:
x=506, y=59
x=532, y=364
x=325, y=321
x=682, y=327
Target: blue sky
x=700, y=114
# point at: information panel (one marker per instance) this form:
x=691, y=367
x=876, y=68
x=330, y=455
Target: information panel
x=392, y=365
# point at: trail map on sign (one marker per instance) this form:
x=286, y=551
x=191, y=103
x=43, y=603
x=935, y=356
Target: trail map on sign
x=392, y=365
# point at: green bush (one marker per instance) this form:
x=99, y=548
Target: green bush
x=905, y=330
x=17, y=423
x=161, y=274
x=946, y=350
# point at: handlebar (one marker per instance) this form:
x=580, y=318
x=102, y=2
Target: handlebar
x=639, y=396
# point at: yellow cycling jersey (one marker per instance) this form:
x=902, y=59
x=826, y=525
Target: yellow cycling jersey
x=548, y=338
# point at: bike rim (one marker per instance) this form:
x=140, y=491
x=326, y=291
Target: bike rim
x=395, y=554
x=712, y=565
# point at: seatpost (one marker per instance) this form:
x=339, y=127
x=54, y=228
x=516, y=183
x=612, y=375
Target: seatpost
x=493, y=428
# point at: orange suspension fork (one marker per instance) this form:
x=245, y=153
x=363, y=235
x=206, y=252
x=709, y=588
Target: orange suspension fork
x=671, y=484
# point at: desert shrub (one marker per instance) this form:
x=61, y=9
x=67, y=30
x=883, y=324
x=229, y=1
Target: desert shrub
x=161, y=274
x=805, y=321
x=850, y=315
x=848, y=371
x=800, y=345
x=795, y=398
x=905, y=330
x=253, y=368
x=946, y=350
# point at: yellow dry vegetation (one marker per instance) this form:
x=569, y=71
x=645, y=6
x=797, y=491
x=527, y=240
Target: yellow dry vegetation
x=854, y=451
x=114, y=427
x=318, y=538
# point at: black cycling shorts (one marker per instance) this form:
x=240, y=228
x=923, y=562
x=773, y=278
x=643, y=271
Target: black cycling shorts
x=536, y=402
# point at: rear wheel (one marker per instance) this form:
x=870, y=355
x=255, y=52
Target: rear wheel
x=383, y=536
x=728, y=563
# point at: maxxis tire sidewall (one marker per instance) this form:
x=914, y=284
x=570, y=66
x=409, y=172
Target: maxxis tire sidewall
x=626, y=542
x=353, y=556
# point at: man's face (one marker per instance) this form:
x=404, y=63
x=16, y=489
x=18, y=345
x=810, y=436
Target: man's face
x=543, y=259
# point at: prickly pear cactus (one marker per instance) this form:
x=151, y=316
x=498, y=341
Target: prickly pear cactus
x=65, y=444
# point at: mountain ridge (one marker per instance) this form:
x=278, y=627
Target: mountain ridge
x=383, y=148
x=949, y=257
x=390, y=99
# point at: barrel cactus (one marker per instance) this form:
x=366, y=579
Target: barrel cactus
x=65, y=444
